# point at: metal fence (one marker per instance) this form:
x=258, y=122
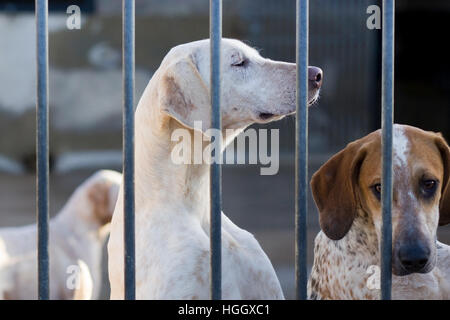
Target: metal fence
x=128, y=33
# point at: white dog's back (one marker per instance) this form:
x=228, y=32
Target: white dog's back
x=174, y=260
x=76, y=238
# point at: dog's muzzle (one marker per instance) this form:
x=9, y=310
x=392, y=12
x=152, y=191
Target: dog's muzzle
x=413, y=257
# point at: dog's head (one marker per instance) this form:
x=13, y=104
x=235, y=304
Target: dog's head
x=351, y=180
x=254, y=89
x=94, y=200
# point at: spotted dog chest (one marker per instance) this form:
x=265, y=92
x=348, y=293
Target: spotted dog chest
x=342, y=270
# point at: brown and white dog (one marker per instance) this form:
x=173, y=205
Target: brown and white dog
x=77, y=236
x=347, y=189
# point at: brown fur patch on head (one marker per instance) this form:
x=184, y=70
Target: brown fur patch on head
x=99, y=196
x=175, y=99
x=430, y=151
x=444, y=208
x=334, y=188
x=183, y=94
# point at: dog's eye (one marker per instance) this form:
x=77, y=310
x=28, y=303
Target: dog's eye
x=429, y=184
x=240, y=63
x=429, y=187
x=376, y=188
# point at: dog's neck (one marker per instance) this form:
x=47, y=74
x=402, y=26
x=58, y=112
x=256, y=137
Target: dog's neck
x=363, y=234
x=345, y=261
x=159, y=180
x=361, y=240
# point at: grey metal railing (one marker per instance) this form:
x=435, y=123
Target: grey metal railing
x=301, y=151
x=128, y=63
x=216, y=168
x=216, y=173
x=42, y=154
x=387, y=106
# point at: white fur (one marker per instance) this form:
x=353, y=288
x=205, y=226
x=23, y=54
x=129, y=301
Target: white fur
x=76, y=239
x=172, y=201
x=401, y=146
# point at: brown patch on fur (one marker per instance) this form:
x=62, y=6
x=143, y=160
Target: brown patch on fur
x=98, y=195
x=444, y=208
x=176, y=100
x=199, y=272
x=7, y=296
x=334, y=188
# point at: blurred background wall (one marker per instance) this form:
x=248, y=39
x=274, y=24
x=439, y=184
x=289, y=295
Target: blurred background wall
x=85, y=74
x=86, y=93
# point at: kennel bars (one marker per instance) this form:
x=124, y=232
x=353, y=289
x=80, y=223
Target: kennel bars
x=215, y=17
x=128, y=46
x=301, y=176
x=42, y=154
x=387, y=110
x=301, y=150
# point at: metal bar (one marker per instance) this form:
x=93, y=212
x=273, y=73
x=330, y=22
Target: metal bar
x=42, y=163
x=301, y=151
x=387, y=106
x=216, y=169
x=128, y=147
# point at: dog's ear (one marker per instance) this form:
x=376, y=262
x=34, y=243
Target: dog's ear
x=184, y=95
x=444, y=206
x=103, y=196
x=334, y=190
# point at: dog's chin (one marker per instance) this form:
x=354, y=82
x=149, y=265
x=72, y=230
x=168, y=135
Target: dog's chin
x=265, y=117
x=399, y=271
x=313, y=100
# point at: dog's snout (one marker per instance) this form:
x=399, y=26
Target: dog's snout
x=414, y=257
x=315, y=75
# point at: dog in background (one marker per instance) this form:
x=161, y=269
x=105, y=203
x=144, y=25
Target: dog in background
x=77, y=236
x=347, y=191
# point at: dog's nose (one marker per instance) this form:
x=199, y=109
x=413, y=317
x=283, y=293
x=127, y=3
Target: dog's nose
x=315, y=76
x=414, y=257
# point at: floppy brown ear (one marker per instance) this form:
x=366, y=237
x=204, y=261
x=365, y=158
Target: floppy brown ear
x=184, y=95
x=334, y=190
x=444, y=206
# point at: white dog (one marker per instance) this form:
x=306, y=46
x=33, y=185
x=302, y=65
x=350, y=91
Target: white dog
x=77, y=236
x=172, y=200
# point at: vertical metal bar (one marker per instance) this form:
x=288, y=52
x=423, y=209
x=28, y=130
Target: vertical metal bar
x=216, y=169
x=128, y=147
x=387, y=130
x=42, y=164
x=301, y=151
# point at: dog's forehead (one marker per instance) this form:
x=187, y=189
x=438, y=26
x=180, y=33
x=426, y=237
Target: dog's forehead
x=402, y=147
x=201, y=49
x=233, y=44
x=412, y=147
x=423, y=150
